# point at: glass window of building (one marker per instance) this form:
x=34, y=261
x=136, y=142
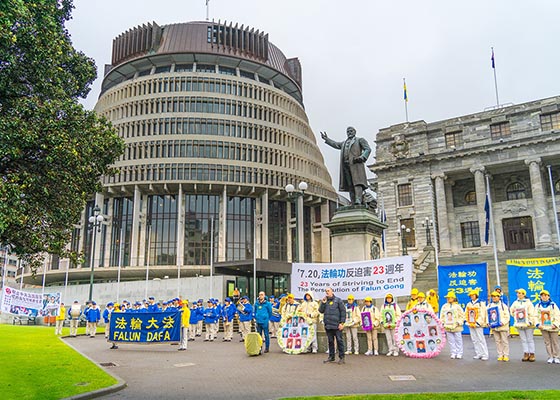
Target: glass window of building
x=239, y=228
x=408, y=231
x=183, y=68
x=247, y=74
x=205, y=68
x=500, y=131
x=277, y=231
x=199, y=212
x=550, y=121
x=227, y=70
x=163, y=69
x=161, y=236
x=453, y=139
x=515, y=191
x=145, y=72
x=121, y=231
x=404, y=193
x=470, y=234
x=470, y=197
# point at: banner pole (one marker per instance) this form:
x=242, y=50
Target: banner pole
x=493, y=229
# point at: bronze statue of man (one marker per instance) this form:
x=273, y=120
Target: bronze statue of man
x=354, y=152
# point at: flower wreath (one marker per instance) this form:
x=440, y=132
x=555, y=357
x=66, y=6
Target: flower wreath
x=296, y=333
x=420, y=334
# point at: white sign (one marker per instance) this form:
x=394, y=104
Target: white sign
x=19, y=302
x=373, y=278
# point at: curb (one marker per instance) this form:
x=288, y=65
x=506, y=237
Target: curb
x=120, y=385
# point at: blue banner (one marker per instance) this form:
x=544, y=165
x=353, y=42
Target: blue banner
x=145, y=327
x=534, y=275
x=462, y=279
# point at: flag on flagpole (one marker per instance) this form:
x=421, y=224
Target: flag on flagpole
x=405, y=92
x=487, y=212
x=493, y=61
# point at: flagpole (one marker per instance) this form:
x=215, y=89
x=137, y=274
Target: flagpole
x=495, y=79
x=554, y=204
x=405, y=99
x=493, y=229
x=207, y=10
x=121, y=244
x=211, y=254
x=148, y=260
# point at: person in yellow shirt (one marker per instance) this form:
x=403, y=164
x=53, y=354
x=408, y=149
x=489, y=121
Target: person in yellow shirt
x=60, y=320
x=433, y=300
x=413, y=299
x=185, y=317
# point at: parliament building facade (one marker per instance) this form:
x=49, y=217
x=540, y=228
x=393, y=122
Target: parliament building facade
x=213, y=119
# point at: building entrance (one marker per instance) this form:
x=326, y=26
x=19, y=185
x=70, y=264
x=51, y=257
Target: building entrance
x=518, y=233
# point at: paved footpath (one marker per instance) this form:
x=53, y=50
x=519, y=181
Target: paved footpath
x=221, y=370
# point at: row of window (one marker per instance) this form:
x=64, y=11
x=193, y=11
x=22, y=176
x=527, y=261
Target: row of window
x=514, y=191
x=502, y=130
x=470, y=233
x=178, y=84
x=209, y=105
x=218, y=150
x=208, y=172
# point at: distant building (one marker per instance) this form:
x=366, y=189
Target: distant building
x=435, y=173
x=214, y=124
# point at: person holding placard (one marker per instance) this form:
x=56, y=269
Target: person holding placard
x=475, y=318
x=371, y=319
x=498, y=320
x=452, y=316
x=351, y=325
x=310, y=308
x=390, y=313
x=548, y=321
x=523, y=313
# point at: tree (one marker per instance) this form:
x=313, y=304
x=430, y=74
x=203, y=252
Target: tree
x=52, y=151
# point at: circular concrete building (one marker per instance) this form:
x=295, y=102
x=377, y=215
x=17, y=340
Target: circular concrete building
x=215, y=128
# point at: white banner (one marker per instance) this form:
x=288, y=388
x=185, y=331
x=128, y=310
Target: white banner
x=19, y=302
x=373, y=278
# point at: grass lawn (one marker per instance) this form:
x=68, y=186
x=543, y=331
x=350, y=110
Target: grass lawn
x=36, y=364
x=507, y=395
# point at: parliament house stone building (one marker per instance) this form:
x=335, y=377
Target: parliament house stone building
x=215, y=128
x=432, y=180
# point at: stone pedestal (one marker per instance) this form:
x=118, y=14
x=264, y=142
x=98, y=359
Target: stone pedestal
x=355, y=232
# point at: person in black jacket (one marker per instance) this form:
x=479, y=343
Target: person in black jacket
x=334, y=315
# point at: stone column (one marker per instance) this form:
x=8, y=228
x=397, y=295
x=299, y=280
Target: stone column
x=135, y=227
x=442, y=217
x=480, y=188
x=264, y=226
x=543, y=236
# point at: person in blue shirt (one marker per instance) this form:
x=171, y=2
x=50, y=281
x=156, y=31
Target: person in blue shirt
x=245, y=312
x=152, y=305
x=263, y=312
x=276, y=316
x=93, y=317
x=200, y=316
x=193, y=320
x=210, y=321
x=107, y=317
x=228, y=315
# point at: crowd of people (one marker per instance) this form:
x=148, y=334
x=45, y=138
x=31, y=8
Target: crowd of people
x=348, y=317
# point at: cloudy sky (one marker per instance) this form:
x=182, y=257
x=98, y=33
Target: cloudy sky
x=355, y=54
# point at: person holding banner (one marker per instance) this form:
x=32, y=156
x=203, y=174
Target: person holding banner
x=74, y=314
x=523, y=313
x=334, y=315
x=475, y=316
x=390, y=313
x=548, y=321
x=60, y=317
x=453, y=317
x=498, y=320
x=371, y=319
x=310, y=308
x=351, y=325
x=245, y=312
x=228, y=315
x=185, y=323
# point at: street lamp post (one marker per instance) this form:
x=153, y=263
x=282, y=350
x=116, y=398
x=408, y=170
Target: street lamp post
x=403, y=232
x=428, y=224
x=298, y=196
x=95, y=222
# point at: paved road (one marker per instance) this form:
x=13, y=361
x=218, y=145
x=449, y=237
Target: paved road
x=223, y=371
